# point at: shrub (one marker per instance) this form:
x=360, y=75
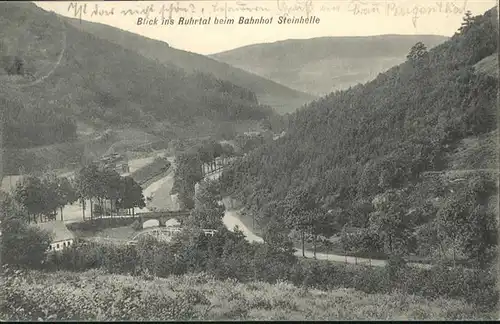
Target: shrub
x=136, y=225
x=22, y=244
x=98, y=224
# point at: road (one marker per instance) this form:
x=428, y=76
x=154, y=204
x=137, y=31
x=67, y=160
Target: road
x=232, y=219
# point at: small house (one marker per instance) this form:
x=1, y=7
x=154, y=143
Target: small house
x=61, y=235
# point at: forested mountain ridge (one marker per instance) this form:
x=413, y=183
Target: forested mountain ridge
x=54, y=75
x=325, y=64
x=268, y=92
x=360, y=157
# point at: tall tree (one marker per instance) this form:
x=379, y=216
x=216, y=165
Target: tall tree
x=467, y=22
x=131, y=195
x=88, y=184
x=187, y=174
x=208, y=209
x=417, y=52
x=29, y=193
x=65, y=193
x=392, y=222
x=297, y=207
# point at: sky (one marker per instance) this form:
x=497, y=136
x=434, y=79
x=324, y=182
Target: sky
x=337, y=18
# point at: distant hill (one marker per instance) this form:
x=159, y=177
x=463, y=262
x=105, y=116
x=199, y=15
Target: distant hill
x=281, y=98
x=322, y=65
x=54, y=76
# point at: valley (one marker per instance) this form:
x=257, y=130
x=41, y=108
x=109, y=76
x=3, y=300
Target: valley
x=320, y=66
x=326, y=178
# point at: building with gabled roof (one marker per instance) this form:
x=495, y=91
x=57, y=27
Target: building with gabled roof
x=61, y=235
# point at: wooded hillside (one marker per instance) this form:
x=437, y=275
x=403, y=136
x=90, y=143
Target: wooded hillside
x=380, y=140
x=54, y=75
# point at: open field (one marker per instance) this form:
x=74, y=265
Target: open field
x=95, y=295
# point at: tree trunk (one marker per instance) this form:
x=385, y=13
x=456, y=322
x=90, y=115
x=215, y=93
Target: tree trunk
x=62, y=218
x=454, y=262
x=91, y=210
x=84, y=204
x=303, y=242
x=133, y=212
x=314, y=244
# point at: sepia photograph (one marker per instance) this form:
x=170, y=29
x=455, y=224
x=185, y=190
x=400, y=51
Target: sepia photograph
x=249, y=160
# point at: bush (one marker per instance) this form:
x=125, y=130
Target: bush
x=23, y=245
x=137, y=225
x=98, y=224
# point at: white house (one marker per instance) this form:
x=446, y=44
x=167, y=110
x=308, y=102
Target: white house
x=62, y=236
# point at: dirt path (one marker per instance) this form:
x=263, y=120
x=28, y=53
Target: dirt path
x=232, y=219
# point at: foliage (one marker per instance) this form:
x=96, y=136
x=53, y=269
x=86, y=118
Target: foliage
x=466, y=225
x=187, y=174
x=352, y=145
x=142, y=95
x=93, y=182
x=43, y=196
x=208, y=210
x=21, y=245
x=392, y=223
x=130, y=194
x=97, y=224
x=467, y=22
x=417, y=52
x=94, y=295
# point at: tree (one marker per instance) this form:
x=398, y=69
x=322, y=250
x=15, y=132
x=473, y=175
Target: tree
x=187, y=174
x=297, y=207
x=65, y=193
x=21, y=244
x=320, y=223
x=360, y=240
x=88, y=185
x=51, y=199
x=112, y=183
x=131, y=195
x=467, y=22
x=208, y=209
x=464, y=223
x=417, y=52
x=29, y=193
x=391, y=221
x=350, y=242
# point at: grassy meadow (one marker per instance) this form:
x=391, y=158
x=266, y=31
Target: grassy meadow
x=95, y=295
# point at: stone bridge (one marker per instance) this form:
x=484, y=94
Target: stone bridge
x=163, y=216
x=164, y=234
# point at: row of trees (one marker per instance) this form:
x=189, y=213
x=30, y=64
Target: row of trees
x=460, y=226
x=42, y=197
x=107, y=186
x=189, y=168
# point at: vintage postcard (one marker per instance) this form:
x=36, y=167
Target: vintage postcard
x=246, y=160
